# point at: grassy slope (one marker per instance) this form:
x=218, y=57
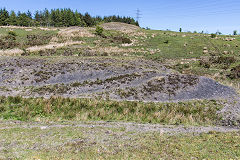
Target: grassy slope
x=176, y=51
x=194, y=43
x=106, y=143
x=21, y=35
x=184, y=50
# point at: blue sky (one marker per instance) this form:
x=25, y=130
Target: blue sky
x=206, y=15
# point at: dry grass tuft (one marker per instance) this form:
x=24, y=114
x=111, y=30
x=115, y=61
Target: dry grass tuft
x=11, y=52
x=122, y=27
x=189, y=113
x=76, y=32
x=53, y=46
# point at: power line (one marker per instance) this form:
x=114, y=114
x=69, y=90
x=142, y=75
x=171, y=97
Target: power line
x=190, y=5
x=138, y=14
x=209, y=13
x=178, y=11
x=194, y=6
x=202, y=11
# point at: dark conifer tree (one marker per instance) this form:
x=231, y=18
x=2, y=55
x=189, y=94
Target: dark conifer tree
x=58, y=18
x=88, y=20
x=4, y=15
x=12, y=20
x=23, y=19
x=29, y=14
x=47, y=17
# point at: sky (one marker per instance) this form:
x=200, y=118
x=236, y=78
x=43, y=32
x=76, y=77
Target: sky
x=209, y=16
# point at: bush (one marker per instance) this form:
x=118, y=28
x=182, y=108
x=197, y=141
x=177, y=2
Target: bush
x=99, y=30
x=34, y=40
x=12, y=33
x=235, y=32
x=181, y=67
x=166, y=42
x=8, y=41
x=235, y=73
x=121, y=39
x=223, y=60
x=205, y=63
x=213, y=35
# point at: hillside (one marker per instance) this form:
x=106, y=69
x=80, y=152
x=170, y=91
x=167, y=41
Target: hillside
x=71, y=78
x=124, y=57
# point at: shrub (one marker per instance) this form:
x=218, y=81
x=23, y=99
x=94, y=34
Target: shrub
x=235, y=32
x=235, y=73
x=8, y=41
x=34, y=40
x=99, y=30
x=213, y=35
x=223, y=60
x=181, y=67
x=121, y=39
x=166, y=42
x=205, y=63
x=12, y=33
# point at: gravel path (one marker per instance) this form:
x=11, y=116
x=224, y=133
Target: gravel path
x=128, y=127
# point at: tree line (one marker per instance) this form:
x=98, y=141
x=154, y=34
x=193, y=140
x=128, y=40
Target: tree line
x=57, y=18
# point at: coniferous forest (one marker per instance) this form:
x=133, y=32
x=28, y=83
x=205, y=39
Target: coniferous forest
x=57, y=18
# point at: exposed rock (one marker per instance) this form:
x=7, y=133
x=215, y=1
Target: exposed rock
x=132, y=79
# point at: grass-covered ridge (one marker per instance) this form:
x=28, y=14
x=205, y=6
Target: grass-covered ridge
x=187, y=113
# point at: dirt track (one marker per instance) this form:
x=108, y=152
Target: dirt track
x=128, y=127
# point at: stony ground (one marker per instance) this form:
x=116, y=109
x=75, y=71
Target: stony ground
x=114, y=78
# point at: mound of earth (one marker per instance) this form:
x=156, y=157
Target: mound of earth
x=119, y=79
x=75, y=32
x=123, y=27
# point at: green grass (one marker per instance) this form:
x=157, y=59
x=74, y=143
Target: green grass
x=180, y=45
x=174, y=46
x=204, y=146
x=110, y=143
x=21, y=35
x=57, y=109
